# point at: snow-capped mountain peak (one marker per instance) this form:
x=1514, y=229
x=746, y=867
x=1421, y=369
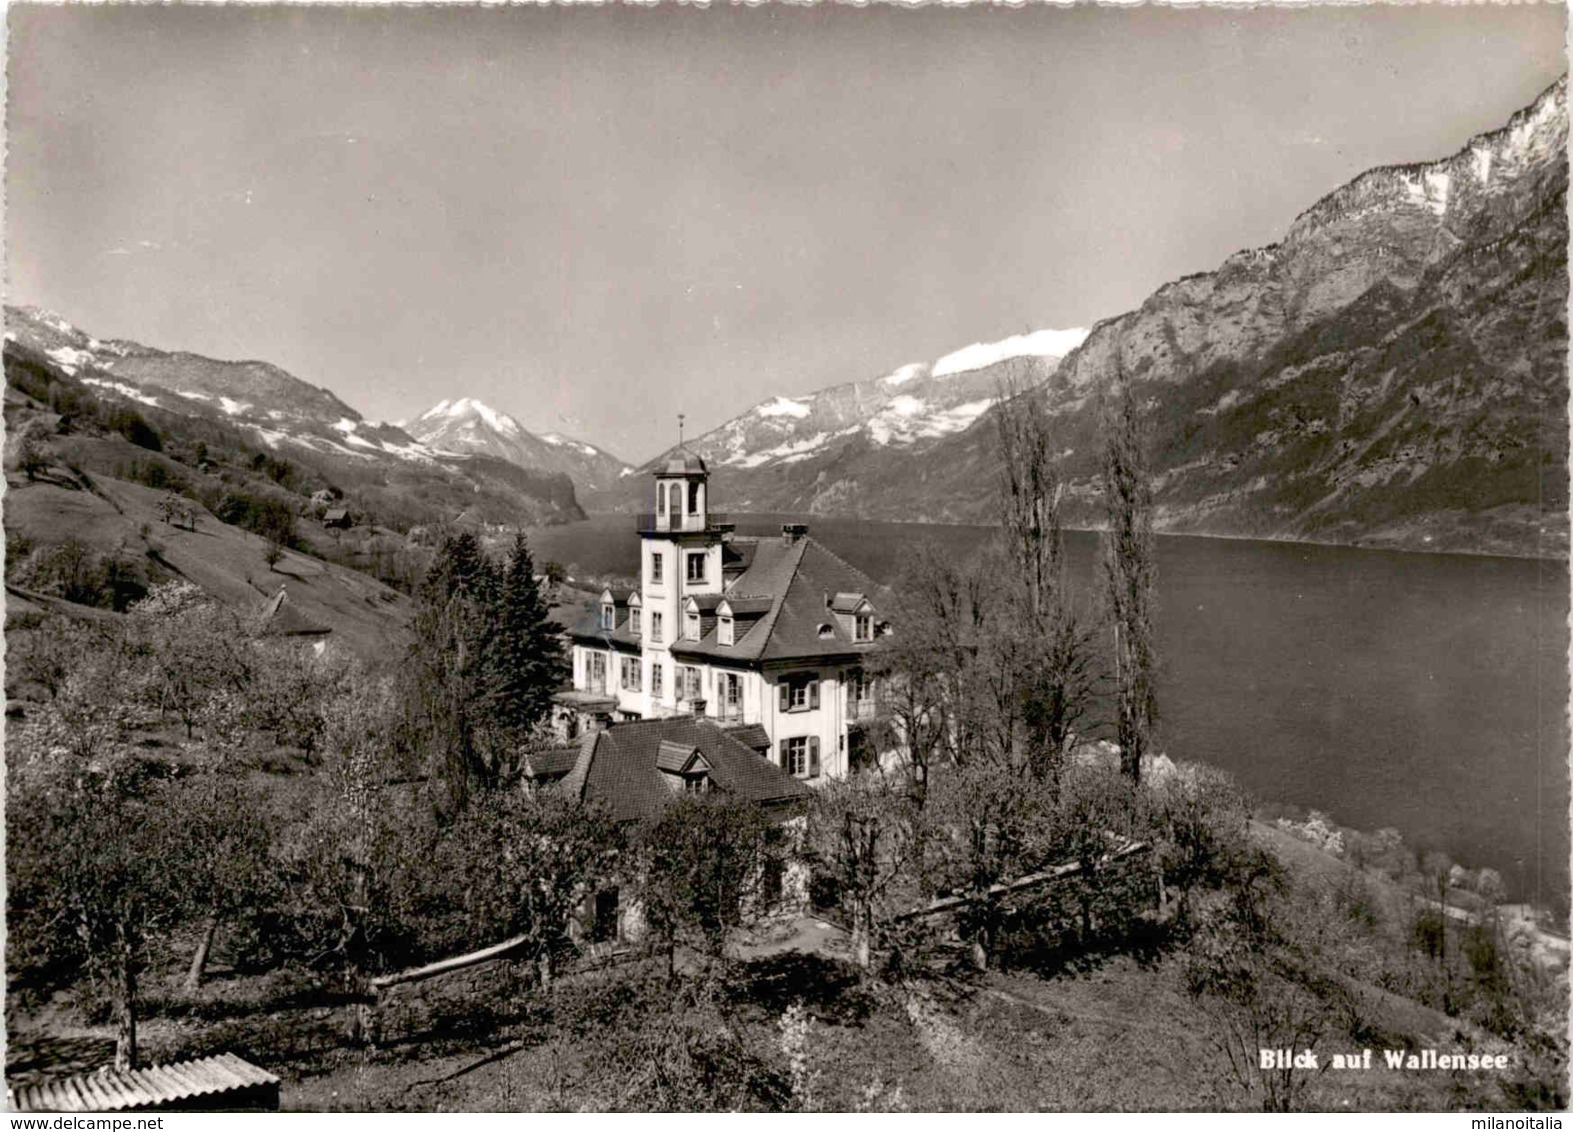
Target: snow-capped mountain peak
x=465, y=424
x=469, y=407
x=1038, y=344
x=917, y=404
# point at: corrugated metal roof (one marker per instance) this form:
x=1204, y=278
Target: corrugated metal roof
x=154, y=1087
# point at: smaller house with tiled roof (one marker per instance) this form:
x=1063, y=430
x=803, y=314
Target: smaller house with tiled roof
x=636, y=769
x=771, y=634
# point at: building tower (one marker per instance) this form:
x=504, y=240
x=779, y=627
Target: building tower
x=680, y=557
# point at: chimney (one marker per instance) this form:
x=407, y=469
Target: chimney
x=791, y=532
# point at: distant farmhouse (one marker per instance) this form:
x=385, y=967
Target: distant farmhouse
x=769, y=636
x=282, y=619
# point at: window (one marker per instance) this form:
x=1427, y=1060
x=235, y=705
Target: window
x=633, y=619
x=597, y=672
x=608, y=615
x=693, y=498
x=691, y=630
x=688, y=682
x=655, y=626
x=799, y=692
x=724, y=632
x=630, y=673
x=676, y=493
x=865, y=626
x=859, y=688
x=655, y=567
x=800, y=756
x=656, y=681
x=731, y=693
x=696, y=567
x=696, y=784
x=660, y=500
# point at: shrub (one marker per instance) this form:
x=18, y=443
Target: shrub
x=130, y=424
x=31, y=459
x=72, y=571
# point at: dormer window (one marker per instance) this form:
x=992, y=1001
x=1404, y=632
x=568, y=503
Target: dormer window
x=724, y=631
x=691, y=629
x=826, y=631
x=608, y=615
x=864, y=624
x=696, y=783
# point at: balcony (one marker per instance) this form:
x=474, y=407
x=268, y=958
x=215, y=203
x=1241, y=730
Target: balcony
x=649, y=523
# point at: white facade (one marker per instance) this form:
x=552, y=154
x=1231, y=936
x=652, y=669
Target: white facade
x=804, y=706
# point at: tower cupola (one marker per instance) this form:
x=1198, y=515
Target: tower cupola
x=681, y=485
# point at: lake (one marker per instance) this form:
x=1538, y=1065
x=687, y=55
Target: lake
x=1423, y=692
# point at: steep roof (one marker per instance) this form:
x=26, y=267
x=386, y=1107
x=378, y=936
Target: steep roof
x=284, y=620
x=552, y=763
x=622, y=636
x=620, y=766
x=798, y=577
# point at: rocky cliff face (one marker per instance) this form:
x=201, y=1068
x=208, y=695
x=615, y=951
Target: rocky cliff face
x=1393, y=372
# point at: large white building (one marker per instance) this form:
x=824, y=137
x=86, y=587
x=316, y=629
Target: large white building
x=770, y=636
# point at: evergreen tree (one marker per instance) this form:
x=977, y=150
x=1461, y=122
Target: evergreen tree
x=529, y=654
x=454, y=669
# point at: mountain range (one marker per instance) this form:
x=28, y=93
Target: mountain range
x=1392, y=372
x=390, y=471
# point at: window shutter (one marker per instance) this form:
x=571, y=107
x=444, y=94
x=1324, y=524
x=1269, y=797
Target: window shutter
x=813, y=756
x=784, y=760
x=786, y=696
x=813, y=694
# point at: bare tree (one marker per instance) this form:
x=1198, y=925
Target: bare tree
x=1048, y=644
x=1128, y=566
x=860, y=830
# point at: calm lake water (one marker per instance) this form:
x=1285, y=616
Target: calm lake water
x=1424, y=692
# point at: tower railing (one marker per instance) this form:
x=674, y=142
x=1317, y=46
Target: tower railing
x=648, y=522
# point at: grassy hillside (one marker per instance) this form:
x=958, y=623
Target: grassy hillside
x=96, y=517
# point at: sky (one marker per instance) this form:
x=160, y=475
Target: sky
x=598, y=218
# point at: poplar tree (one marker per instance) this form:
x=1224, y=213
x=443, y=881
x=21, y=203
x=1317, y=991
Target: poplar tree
x=1128, y=570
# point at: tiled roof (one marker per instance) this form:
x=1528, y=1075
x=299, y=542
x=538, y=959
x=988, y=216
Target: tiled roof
x=751, y=735
x=220, y=1082
x=798, y=576
x=619, y=766
x=846, y=602
x=753, y=606
x=674, y=756
x=552, y=763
